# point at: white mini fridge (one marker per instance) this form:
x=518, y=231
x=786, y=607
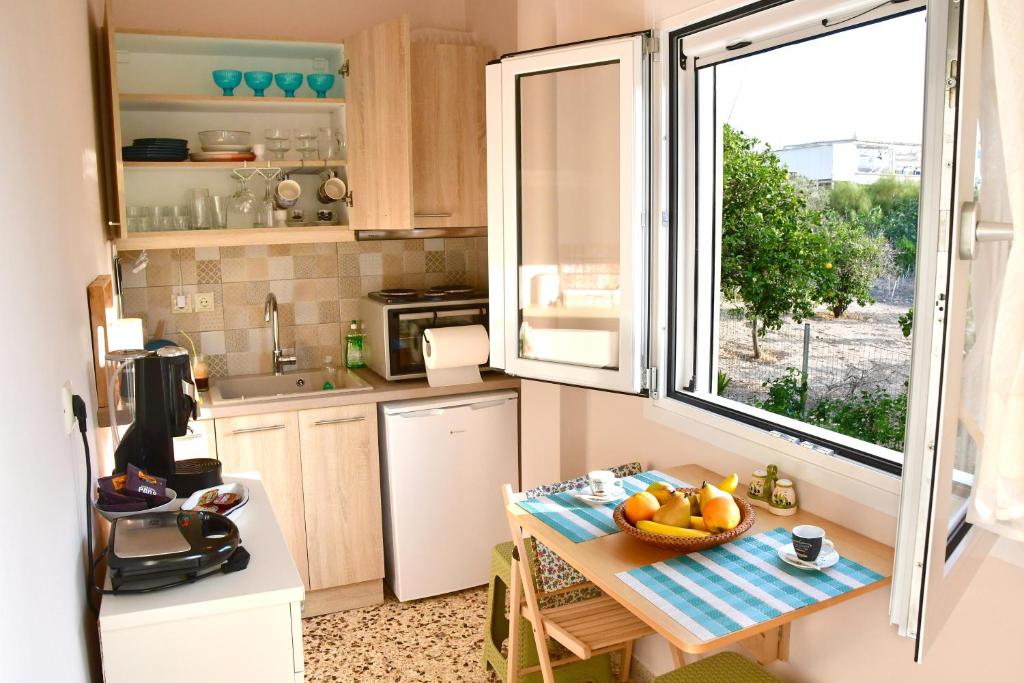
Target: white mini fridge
x=443, y=461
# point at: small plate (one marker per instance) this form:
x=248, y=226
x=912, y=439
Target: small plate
x=233, y=487
x=586, y=496
x=829, y=557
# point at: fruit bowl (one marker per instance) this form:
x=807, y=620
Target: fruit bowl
x=682, y=544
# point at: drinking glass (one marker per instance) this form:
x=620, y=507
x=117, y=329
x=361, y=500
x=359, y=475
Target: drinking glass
x=219, y=217
x=200, y=205
x=264, y=215
x=329, y=143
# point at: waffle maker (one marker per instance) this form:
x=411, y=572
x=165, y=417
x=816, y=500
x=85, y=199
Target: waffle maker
x=156, y=550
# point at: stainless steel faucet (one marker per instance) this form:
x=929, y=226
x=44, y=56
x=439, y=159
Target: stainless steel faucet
x=270, y=315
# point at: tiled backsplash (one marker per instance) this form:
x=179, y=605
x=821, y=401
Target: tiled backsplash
x=318, y=287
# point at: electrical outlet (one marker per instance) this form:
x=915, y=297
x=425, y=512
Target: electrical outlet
x=65, y=404
x=181, y=303
x=203, y=302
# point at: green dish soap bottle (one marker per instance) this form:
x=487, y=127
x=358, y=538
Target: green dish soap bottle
x=354, y=347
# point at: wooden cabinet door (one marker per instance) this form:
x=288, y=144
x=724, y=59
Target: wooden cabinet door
x=449, y=146
x=269, y=444
x=378, y=114
x=110, y=133
x=341, y=482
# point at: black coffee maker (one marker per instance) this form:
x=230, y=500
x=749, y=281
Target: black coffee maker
x=163, y=408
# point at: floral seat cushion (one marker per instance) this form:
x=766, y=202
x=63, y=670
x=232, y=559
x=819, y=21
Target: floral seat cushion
x=551, y=572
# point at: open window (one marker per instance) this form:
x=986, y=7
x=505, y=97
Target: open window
x=568, y=203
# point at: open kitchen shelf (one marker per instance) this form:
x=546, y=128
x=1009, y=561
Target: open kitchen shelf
x=236, y=103
x=234, y=237
x=289, y=165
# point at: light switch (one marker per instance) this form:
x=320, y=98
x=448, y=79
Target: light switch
x=203, y=302
x=180, y=303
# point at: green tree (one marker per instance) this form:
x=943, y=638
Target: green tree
x=852, y=260
x=849, y=199
x=768, y=246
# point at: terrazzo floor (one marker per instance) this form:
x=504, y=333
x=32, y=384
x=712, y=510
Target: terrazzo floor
x=425, y=641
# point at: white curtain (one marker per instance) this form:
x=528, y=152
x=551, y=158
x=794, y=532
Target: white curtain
x=992, y=410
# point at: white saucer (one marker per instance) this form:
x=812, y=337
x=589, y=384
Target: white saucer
x=586, y=496
x=829, y=557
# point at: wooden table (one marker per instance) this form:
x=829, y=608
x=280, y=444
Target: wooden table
x=602, y=558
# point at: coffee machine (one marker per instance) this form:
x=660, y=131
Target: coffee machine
x=163, y=407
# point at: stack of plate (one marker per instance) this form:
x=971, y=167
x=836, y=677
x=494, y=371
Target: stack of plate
x=156, y=149
x=222, y=156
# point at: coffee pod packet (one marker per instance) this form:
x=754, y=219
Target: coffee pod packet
x=115, y=483
x=111, y=501
x=141, y=482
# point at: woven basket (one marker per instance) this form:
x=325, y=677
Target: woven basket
x=683, y=544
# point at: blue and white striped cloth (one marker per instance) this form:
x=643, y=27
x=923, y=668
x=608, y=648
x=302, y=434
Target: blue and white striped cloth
x=581, y=521
x=740, y=584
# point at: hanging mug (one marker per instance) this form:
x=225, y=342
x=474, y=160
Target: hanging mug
x=332, y=189
x=287, y=193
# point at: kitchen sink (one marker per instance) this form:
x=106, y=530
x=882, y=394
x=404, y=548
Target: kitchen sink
x=290, y=384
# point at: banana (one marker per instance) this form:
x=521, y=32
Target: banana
x=730, y=483
x=666, y=530
x=698, y=523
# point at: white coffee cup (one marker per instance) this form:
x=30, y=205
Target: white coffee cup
x=331, y=190
x=287, y=193
x=603, y=483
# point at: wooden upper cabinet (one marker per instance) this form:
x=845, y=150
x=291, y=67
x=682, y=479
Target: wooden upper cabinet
x=449, y=153
x=110, y=113
x=416, y=131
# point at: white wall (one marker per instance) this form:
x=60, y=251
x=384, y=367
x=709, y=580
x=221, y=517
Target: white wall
x=52, y=248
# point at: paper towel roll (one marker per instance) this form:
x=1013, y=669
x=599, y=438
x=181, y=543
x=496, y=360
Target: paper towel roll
x=453, y=354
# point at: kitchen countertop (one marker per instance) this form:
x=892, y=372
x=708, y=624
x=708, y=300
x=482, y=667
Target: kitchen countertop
x=383, y=391
x=270, y=579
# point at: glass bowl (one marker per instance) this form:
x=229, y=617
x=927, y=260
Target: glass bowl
x=224, y=137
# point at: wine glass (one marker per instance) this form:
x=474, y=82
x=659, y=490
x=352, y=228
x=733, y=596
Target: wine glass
x=305, y=142
x=242, y=207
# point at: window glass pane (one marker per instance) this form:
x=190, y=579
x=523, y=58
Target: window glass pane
x=569, y=167
x=817, y=151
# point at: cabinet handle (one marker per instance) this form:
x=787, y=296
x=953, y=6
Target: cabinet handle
x=419, y=214
x=249, y=430
x=338, y=420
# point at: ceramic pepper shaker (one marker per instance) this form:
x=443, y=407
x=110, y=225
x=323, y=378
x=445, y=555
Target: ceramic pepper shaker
x=757, y=489
x=783, y=498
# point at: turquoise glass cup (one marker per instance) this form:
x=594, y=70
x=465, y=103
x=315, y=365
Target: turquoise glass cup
x=320, y=83
x=258, y=81
x=227, y=80
x=289, y=82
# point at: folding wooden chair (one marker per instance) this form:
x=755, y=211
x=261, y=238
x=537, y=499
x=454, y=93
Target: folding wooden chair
x=585, y=628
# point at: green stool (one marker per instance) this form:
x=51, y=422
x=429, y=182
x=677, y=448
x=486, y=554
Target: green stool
x=596, y=669
x=725, y=667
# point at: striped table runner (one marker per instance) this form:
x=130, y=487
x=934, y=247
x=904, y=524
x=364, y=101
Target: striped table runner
x=740, y=584
x=581, y=521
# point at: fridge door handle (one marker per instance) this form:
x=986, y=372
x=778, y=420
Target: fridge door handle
x=432, y=412
x=489, y=404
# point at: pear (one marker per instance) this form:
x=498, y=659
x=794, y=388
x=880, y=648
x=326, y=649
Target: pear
x=709, y=491
x=676, y=512
x=661, y=490
x=694, y=504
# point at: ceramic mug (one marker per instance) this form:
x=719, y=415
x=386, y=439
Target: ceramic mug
x=287, y=193
x=808, y=541
x=331, y=190
x=603, y=483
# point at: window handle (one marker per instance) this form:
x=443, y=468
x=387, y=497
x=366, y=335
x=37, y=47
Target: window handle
x=973, y=231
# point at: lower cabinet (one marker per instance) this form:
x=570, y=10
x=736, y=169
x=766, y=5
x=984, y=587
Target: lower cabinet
x=341, y=488
x=322, y=473
x=269, y=444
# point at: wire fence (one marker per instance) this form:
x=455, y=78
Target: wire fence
x=862, y=351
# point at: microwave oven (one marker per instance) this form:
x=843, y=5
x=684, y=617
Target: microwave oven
x=393, y=329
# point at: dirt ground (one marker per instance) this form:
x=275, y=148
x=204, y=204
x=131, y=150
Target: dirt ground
x=863, y=349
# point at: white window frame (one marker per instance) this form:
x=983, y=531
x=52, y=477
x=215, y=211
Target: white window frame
x=864, y=483
x=628, y=53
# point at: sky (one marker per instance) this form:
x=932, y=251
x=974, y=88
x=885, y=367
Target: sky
x=866, y=83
